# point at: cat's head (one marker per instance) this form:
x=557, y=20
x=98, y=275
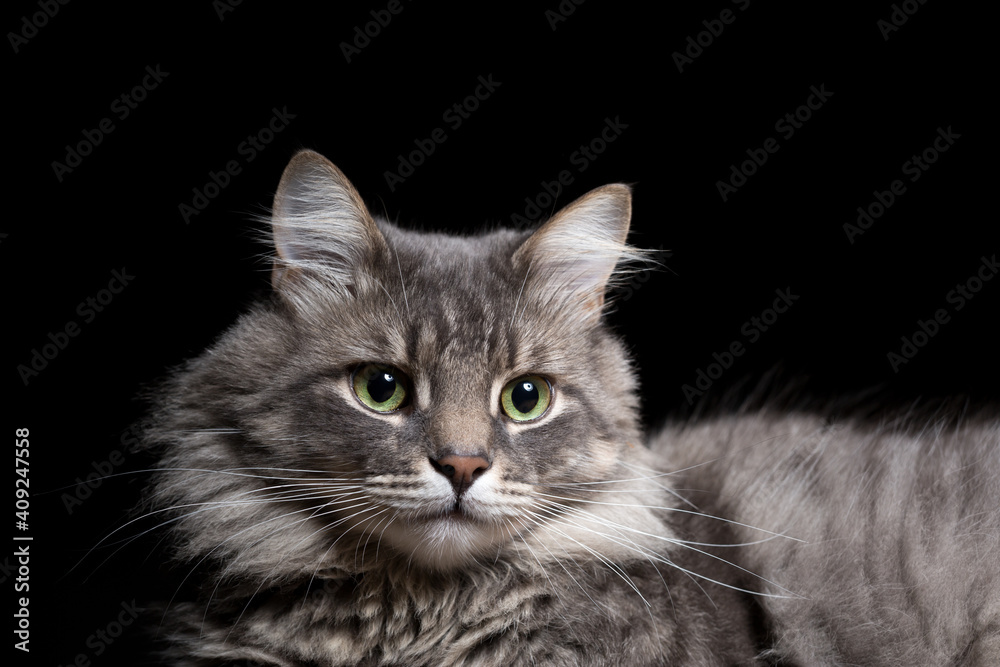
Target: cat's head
x=428, y=397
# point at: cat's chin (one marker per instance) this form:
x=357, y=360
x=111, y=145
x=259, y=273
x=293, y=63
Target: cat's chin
x=446, y=541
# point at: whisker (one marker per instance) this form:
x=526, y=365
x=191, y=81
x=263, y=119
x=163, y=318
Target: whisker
x=555, y=589
x=672, y=509
x=221, y=577
x=690, y=546
x=612, y=566
x=264, y=580
x=314, y=514
x=203, y=506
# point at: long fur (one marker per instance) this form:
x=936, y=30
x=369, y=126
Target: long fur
x=312, y=531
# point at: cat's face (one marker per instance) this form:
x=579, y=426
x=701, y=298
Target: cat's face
x=425, y=396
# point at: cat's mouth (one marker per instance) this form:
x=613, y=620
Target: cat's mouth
x=449, y=537
x=460, y=517
x=457, y=513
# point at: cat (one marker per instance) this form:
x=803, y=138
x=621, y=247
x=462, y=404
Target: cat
x=425, y=449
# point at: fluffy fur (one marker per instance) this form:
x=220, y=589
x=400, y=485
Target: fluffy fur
x=319, y=532
x=896, y=557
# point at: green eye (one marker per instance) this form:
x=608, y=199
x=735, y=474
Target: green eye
x=526, y=398
x=381, y=388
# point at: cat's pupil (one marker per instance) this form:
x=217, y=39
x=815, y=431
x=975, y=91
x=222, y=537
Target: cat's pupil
x=524, y=396
x=381, y=387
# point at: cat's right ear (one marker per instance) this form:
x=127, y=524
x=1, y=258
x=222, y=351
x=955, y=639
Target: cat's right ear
x=321, y=226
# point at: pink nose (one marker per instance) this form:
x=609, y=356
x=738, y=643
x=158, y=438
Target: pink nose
x=462, y=470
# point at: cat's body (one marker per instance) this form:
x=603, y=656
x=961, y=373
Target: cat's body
x=425, y=451
x=899, y=522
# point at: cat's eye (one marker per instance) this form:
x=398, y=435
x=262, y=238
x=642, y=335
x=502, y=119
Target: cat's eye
x=382, y=388
x=526, y=398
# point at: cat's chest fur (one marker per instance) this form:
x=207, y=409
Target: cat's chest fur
x=509, y=611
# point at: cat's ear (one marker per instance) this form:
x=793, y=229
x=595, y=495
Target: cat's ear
x=572, y=257
x=320, y=225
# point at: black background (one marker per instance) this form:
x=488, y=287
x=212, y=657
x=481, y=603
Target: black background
x=227, y=72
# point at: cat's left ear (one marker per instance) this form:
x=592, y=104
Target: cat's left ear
x=572, y=257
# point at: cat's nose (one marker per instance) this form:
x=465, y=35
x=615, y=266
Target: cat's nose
x=461, y=469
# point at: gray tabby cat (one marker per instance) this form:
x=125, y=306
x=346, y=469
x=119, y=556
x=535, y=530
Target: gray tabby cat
x=424, y=450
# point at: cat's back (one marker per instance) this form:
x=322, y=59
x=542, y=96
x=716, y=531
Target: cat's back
x=880, y=538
